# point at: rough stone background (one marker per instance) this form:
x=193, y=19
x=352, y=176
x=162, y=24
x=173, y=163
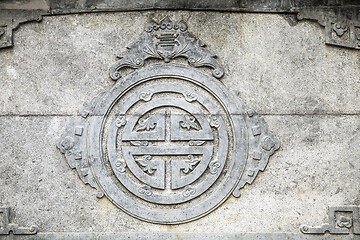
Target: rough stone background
x=308, y=93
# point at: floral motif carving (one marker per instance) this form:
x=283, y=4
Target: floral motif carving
x=165, y=41
x=120, y=121
x=147, y=164
x=120, y=166
x=189, y=123
x=344, y=222
x=190, y=164
x=146, y=124
x=145, y=96
x=190, y=97
x=67, y=143
x=214, y=122
x=66, y=146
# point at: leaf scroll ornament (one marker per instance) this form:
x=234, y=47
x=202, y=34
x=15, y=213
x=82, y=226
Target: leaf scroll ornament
x=147, y=164
x=189, y=122
x=146, y=124
x=190, y=164
x=165, y=41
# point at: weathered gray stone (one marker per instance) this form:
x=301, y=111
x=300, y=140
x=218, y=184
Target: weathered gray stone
x=336, y=16
x=341, y=219
x=307, y=92
x=316, y=167
x=167, y=107
x=296, y=75
x=182, y=236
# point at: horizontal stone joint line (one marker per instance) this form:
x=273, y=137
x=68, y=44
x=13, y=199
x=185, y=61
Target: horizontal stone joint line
x=260, y=114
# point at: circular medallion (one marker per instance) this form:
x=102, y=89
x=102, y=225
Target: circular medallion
x=167, y=143
x=164, y=144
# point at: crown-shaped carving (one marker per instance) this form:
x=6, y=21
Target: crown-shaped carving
x=166, y=40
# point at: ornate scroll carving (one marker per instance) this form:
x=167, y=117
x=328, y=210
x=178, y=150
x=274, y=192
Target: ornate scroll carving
x=8, y=227
x=166, y=40
x=146, y=124
x=73, y=145
x=189, y=123
x=190, y=164
x=189, y=96
x=188, y=191
x=149, y=166
x=262, y=144
x=145, y=190
x=341, y=221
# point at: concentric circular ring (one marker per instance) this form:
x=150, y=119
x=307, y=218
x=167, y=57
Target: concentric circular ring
x=213, y=137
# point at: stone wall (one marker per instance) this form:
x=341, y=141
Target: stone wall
x=307, y=92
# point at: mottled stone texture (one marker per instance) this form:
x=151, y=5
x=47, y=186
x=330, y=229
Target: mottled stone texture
x=308, y=93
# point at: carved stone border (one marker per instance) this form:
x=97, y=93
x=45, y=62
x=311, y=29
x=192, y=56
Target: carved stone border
x=337, y=225
x=14, y=228
x=342, y=26
x=328, y=13
x=10, y=20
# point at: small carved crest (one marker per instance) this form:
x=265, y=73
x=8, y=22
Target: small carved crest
x=165, y=41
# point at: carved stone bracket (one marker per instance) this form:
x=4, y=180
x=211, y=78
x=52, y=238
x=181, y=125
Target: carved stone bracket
x=8, y=227
x=166, y=40
x=342, y=25
x=341, y=221
x=10, y=21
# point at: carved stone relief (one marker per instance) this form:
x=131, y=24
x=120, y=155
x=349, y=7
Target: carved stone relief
x=8, y=227
x=341, y=18
x=166, y=41
x=341, y=221
x=10, y=21
x=342, y=25
x=167, y=143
